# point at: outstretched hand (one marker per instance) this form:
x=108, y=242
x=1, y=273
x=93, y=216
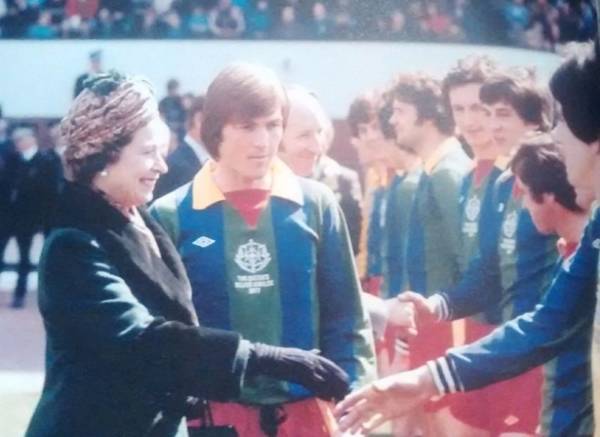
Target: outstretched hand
x=424, y=312
x=402, y=316
x=318, y=374
x=365, y=409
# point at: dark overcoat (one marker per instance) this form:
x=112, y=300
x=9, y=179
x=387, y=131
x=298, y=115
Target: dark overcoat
x=124, y=349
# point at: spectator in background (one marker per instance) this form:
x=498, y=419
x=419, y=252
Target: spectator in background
x=172, y=110
x=86, y=9
x=438, y=24
x=5, y=210
x=187, y=100
x=531, y=23
x=343, y=20
x=74, y=27
x=197, y=22
x=57, y=141
x=148, y=25
x=569, y=22
x=101, y=25
x=226, y=20
x=121, y=17
x=321, y=25
x=162, y=6
x=171, y=25
x=19, y=16
x=397, y=25
x=544, y=19
x=517, y=16
x=189, y=157
x=589, y=24
x=43, y=28
x=4, y=141
x=289, y=27
x=95, y=67
x=33, y=181
x=260, y=20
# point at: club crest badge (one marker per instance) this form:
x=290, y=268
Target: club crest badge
x=473, y=208
x=509, y=227
x=252, y=257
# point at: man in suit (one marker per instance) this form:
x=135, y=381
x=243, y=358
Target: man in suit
x=6, y=149
x=188, y=157
x=33, y=177
x=95, y=68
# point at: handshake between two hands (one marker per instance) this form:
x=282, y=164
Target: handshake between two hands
x=409, y=311
x=365, y=409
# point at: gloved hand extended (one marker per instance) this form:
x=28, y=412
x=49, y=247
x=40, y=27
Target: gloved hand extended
x=316, y=373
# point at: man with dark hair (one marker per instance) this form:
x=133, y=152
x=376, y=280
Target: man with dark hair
x=189, y=157
x=172, y=109
x=268, y=253
x=366, y=137
x=95, y=59
x=567, y=309
x=509, y=267
x=406, y=168
x=33, y=178
x=423, y=125
x=6, y=176
x=494, y=225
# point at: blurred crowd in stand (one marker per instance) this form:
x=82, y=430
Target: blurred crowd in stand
x=539, y=24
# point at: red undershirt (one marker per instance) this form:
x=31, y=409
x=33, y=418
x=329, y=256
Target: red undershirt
x=248, y=203
x=482, y=170
x=566, y=249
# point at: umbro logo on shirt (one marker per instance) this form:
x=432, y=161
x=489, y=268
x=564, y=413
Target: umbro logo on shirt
x=596, y=244
x=203, y=241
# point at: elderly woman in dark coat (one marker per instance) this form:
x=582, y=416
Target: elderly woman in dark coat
x=124, y=349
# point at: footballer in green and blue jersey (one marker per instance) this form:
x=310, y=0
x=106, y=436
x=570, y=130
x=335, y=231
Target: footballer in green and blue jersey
x=557, y=333
x=514, y=268
x=434, y=244
x=290, y=280
x=400, y=197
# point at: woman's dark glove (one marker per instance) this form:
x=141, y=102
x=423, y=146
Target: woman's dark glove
x=318, y=374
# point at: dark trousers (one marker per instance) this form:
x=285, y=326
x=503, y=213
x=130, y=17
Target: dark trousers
x=24, y=241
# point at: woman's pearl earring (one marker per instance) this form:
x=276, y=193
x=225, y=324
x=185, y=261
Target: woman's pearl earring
x=103, y=173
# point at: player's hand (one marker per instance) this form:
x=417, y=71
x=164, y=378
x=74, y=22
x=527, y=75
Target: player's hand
x=424, y=311
x=367, y=408
x=402, y=317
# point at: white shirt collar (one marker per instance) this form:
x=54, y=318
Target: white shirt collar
x=198, y=149
x=29, y=153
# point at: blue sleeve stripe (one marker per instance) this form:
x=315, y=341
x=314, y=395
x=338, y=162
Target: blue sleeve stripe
x=444, y=376
x=437, y=377
x=455, y=379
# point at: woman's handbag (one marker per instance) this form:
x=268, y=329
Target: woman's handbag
x=208, y=428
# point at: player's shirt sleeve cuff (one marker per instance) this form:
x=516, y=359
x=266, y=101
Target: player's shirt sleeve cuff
x=445, y=376
x=439, y=302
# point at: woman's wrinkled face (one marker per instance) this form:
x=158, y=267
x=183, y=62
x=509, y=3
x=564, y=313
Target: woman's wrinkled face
x=130, y=181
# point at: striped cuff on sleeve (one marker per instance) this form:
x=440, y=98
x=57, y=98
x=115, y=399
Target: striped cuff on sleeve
x=444, y=376
x=440, y=304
